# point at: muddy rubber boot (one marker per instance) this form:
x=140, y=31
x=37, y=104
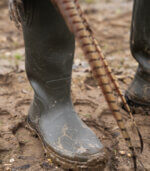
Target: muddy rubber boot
x=138, y=93
x=49, y=47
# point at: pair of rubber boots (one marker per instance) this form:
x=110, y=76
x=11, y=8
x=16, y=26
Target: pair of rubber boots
x=49, y=47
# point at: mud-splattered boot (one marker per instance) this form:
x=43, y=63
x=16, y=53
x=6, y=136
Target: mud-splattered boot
x=49, y=47
x=138, y=93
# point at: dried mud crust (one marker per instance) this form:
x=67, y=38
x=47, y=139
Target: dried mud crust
x=96, y=163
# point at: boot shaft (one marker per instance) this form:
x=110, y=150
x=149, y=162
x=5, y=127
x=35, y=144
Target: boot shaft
x=140, y=33
x=49, y=47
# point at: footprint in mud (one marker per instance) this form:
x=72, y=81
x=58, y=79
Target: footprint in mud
x=31, y=152
x=29, y=144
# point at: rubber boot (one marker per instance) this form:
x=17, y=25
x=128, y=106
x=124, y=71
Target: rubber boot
x=138, y=93
x=49, y=47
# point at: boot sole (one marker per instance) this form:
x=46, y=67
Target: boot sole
x=97, y=163
x=137, y=108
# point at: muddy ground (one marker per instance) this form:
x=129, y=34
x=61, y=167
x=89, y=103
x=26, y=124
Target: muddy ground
x=19, y=148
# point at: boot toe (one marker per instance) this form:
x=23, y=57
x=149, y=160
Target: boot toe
x=69, y=137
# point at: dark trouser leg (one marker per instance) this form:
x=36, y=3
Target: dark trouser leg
x=138, y=92
x=49, y=49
